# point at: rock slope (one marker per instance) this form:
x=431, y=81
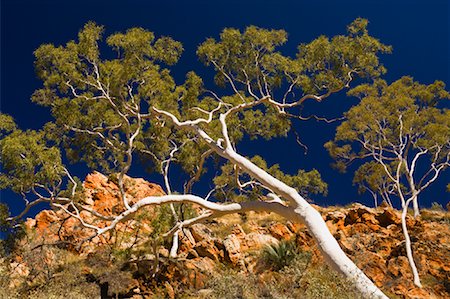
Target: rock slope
x=371, y=237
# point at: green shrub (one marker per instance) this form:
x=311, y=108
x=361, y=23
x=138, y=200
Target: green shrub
x=323, y=282
x=53, y=273
x=436, y=207
x=278, y=256
x=299, y=279
x=230, y=284
x=10, y=232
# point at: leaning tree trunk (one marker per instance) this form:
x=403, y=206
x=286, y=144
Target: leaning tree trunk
x=305, y=213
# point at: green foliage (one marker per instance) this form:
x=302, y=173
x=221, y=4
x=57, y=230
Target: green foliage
x=94, y=101
x=12, y=232
x=7, y=124
x=436, y=207
x=392, y=124
x=78, y=196
x=306, y=182
x=370, y=175
x=102, y=107
x=299, y=279
x=250, y=63
x=376, y=117
x=277, y=256
x=29, y=160
x=321, y=65
x=4, y=215
x=163, y=221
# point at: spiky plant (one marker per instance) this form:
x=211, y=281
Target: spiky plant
x=279, y=255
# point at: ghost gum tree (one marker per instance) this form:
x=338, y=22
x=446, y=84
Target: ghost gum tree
x=108, y=112
x=403, y=137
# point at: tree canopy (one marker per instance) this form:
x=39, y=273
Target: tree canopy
x=102, y=108
x=109, y=111
x=401, y=131
x=405, y=136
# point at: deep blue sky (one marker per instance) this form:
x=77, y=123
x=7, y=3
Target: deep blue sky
x=417, y=30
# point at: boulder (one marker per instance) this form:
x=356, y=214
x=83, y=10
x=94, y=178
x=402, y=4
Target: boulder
x=232, y=248
x=201, y=232
x=101, y=195
x=280, y=231
x=206, y=248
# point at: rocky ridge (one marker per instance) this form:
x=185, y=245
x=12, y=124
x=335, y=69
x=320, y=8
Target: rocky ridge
x=371, y=237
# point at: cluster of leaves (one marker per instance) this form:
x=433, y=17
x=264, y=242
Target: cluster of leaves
x=299, y=279
x=306, y=182
x=103, y=106
x=322, y=65
x=87, y=93
x=277, y=256
x=402, y=118
x=11, y=233
x=28, y=160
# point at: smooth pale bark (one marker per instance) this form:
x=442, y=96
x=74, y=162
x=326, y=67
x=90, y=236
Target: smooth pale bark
x=305, y=213
x=299, y=210
x=416, y=207
x=174, y=249
x=409, y=254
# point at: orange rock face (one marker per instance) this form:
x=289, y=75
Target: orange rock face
x=102, y=196
x=372, y=238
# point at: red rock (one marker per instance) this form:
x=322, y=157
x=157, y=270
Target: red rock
x=399, y=266
x=207, y=248
x=373, y=266
x=238, y=230
x=254, y=241
x=199, y=269
x=201, y=232
x=100, y=195
x=232, y=248
x=388, y=217
x=371, y=237
x=280, y=231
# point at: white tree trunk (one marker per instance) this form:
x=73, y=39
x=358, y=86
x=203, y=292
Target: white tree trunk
x=174, y=249
x=302, y=210
x=305, y=213
x=409, y=254
x=416, y=207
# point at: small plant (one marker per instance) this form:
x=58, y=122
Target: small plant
x=278, y=256
x=436, y=207
x=9, y=234
x=230, y=285
x=299, y=279
x=323, y=282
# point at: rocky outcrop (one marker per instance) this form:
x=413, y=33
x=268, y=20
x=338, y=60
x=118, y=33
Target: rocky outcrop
x=371, y=237
x=101, y=195
x=374, y=240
